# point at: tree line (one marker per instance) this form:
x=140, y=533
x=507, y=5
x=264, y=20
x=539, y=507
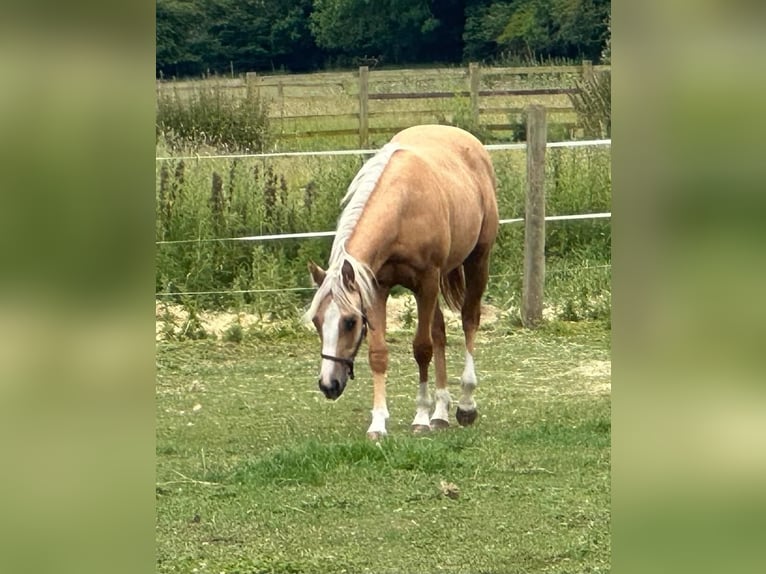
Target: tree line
x=199, y=36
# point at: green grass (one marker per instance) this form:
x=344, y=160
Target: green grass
x=266, y=475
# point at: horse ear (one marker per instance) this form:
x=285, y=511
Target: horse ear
x=347, y=272
x=317, y=273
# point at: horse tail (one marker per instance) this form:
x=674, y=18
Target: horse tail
x=453, y=288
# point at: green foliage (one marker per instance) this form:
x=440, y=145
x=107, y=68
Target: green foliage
x=606, y=53
x=234, y=334
x=393, y=29
x=484, y=23
x=265, y=34
x=196, y=36
x=593, y=104
x=213, y=117
x=222, y=199
x=463, y=117
x=530, y=29
x=199, y=36
x=581, y=288
x=183, y=41
x=578, y=181
x=527, y=29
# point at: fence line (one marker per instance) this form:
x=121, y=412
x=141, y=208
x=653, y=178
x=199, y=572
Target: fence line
x=419, y=113
x=488, y=147
x=368, y=84
x=293, y=289
x=274, y=290
x=563, y=217
x=313, y=234
x=341, y=79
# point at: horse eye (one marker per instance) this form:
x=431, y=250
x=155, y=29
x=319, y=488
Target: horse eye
x=350, y=323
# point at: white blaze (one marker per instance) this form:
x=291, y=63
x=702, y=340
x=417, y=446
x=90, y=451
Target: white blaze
x=330, y=339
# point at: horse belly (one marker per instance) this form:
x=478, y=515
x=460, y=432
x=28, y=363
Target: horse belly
x=464, y=230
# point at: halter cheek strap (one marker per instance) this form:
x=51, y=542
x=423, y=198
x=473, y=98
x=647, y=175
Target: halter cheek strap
x=350, y=361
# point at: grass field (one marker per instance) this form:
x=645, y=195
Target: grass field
x=257, y=472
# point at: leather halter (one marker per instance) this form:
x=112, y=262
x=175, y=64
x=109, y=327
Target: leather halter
x=350, y=361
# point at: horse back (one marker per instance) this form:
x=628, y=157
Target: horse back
x=433, y=205
x=448, y=170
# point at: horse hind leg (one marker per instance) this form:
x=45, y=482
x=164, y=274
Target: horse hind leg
x=423, y=347
x=476, y=269
x=442, y=399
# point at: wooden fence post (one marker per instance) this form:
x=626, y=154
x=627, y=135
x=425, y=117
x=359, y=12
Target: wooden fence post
x=534, y=220
x=281, y=96
x=587, y=70
x=363, y=125
x=250, y=84
x=473, y=74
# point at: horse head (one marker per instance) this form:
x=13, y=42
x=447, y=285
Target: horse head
x=341, y=323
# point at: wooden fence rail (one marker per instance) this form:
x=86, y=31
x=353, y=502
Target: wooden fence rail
x=344, y=79
x=473, y=94
x=474, y=79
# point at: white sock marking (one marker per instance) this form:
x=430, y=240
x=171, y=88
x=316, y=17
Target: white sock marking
x=469, y=375
x=423, y=404
x=467, y=385
x=378, y=424
x=443, y=401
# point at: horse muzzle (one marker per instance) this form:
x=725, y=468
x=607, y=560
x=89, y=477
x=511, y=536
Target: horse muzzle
x=333, y=389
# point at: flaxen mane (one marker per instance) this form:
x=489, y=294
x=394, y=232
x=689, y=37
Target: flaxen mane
x=355, y=199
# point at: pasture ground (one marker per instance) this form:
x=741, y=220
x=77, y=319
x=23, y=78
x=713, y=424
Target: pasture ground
x=258, y=472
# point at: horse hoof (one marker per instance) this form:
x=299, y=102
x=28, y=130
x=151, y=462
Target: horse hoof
x=439, y=424
x=466, y=418
x=420, y=429
x=375, y=436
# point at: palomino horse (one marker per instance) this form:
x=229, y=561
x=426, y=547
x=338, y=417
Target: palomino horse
x=421, y=213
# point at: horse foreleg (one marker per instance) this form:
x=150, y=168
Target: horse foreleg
x=422, y=347
x=377, y=355
x=440, y=418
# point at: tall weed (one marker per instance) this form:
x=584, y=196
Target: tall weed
x=211, y=116
x=216, y=201
x=593, y=104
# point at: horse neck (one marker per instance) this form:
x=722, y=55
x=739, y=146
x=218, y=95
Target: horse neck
x=371, y=241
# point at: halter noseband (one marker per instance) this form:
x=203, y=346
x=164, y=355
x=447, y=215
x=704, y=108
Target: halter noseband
x=350, y=362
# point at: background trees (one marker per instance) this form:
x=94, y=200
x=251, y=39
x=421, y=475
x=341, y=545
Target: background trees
x=194, y=36
x=397, y=30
